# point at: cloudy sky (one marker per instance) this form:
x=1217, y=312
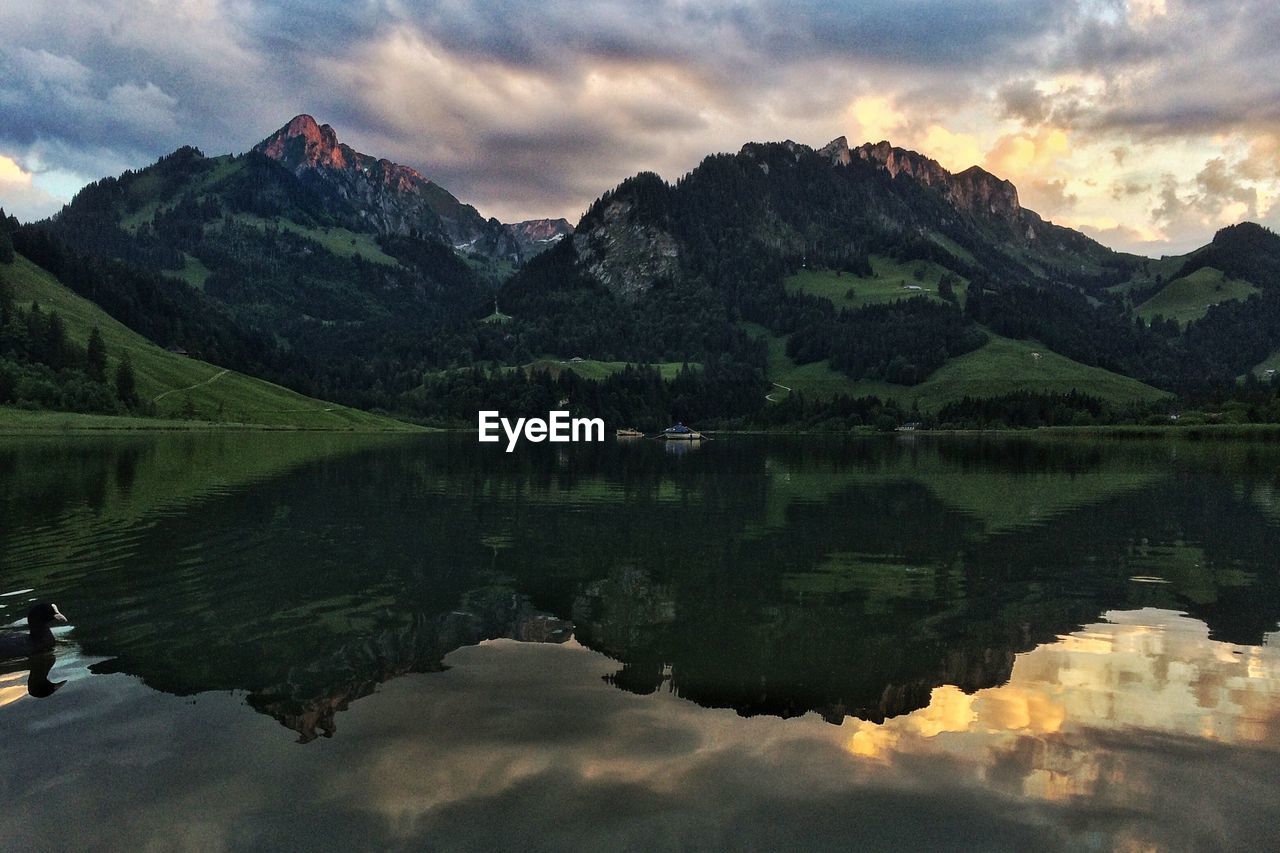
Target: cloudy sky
x=1146, y=123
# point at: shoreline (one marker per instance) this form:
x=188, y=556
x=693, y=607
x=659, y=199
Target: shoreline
x=17, y=422
x=40, y=422
x=1191, y=432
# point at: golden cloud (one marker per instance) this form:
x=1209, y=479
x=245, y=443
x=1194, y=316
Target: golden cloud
x=877, y=117
x=12, y=173
x=955, y=151
x=1020, y=153
x=20, y=195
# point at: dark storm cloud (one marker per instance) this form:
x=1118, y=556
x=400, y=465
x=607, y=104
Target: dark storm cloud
x=109, y=74
x=539, y=34
x=1020, y=99
x=1203, y=67
x=480, y=94
x=965, y=34
x=92, y=86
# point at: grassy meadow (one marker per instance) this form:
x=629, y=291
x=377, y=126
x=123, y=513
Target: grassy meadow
x=591, y=369
x=1188, y=298
x=1001, y=366
x=893, y=280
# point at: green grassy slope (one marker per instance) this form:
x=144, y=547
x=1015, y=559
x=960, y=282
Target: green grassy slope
x=1001, y=366
x=1188, y=298
x=178, y=384
x=193, y=272
x=592, y=369
x=342, y=242
x=1005, y=366
x=14, y=421
x=815, y=380
x=892, y=280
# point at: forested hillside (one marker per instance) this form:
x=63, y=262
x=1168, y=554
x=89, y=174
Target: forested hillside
x=302, y=263
x=62, y=352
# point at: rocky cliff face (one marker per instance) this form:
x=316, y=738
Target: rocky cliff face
x=388, y=197
x=625, y=254
x=837, y=151
x=975, y=190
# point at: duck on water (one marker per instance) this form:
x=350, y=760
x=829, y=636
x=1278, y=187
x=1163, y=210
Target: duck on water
x=39, y=636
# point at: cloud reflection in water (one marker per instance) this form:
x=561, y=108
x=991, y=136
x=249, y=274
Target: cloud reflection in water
x=1140, y=730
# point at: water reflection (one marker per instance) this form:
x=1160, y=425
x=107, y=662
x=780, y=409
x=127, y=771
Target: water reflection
x=308, y=698
x=1137, y=732
x=852, y=578
x=1147, y=670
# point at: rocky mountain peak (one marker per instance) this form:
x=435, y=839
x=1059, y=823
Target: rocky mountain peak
x=837, y=151
x=536, y=235
x=382, y=195
x=304, y=143
x=976, y=188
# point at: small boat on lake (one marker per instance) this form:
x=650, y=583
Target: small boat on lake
x=628, y=433
x=680, y=432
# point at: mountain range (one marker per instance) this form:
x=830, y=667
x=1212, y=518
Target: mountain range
x=786, y=278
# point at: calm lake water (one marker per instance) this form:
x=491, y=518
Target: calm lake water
x=312, y=642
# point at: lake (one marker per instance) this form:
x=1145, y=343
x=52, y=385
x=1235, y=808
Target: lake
x=316, y=641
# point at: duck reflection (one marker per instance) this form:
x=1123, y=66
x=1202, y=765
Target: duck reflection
x=37, y=684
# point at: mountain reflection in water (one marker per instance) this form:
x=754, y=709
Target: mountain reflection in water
x=1026, y=640
x=1139, y=730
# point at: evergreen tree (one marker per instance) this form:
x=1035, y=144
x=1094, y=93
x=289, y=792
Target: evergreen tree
x=6, y=303
x=54, y=344
x=126, y=383
x=96, y=356
x=6, y=239
x=947, y=287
